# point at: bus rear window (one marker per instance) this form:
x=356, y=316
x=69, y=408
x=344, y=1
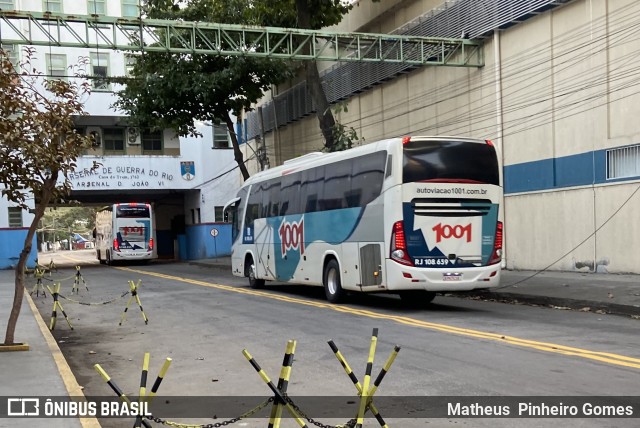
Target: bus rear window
x=450, y=160
x=132, y=211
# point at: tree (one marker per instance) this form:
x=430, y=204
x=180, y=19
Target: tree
x=173, y=90
x=38, y=147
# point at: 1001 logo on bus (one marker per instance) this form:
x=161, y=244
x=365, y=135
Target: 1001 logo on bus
x=446, y=231
x=292, y=236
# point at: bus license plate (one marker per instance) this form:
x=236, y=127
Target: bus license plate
x=451, y=276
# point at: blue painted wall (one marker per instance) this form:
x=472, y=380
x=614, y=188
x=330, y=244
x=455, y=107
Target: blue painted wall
x=11, y=244
x=201, y=244
x=576, y=170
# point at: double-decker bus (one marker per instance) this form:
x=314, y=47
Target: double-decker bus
x=413, y=216
x=124, y=231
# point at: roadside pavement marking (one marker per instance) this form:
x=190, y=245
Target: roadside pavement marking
x=604, y=357
x=69, y=379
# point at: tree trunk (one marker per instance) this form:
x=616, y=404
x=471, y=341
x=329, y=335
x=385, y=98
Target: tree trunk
x=18, y=294
x=237, y=153
x=314, y=85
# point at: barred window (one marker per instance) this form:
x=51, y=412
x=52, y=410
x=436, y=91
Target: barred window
x=220, y=137
x=57, y=66
x=623, y=162
x=151, y=142
x=96, y=7
x=100, y=70
x=52, y=6
x=130, y=8
x=113, y=140
x=15, y=217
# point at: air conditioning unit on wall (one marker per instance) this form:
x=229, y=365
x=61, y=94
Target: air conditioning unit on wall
x=133, y=136
x=96, y=133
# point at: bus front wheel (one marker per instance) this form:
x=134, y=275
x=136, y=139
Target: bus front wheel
x=332, y=286
x=253, y=281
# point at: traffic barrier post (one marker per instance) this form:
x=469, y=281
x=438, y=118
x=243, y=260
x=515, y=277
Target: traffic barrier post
x=76, y=282
x=367, y=378
x=114, y=387
x=134, y=295
x=283, y=384
x=38, y=274
x=376, y=383
x=278, y=396
x=56, y=304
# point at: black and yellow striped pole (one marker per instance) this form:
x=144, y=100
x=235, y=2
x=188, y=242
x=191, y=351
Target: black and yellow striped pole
x=76, y=282
x=283, y=383
x=161, y=375
x=364, y=397
x=279, y=398
x=114, y=387
x=134, y=296
x=143, y=386
x=356, y=382
x=56, y=304
x=38, y=274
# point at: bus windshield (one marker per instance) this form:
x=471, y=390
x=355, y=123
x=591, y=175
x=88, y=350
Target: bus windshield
x=450, y=161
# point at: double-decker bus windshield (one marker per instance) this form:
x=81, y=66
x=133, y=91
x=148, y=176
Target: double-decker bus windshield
x=450, y=160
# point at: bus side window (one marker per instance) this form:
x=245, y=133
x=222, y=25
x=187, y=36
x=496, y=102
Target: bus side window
x=368, y=174
x=312, y=188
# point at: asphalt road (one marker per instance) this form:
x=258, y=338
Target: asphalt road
x=203, y=318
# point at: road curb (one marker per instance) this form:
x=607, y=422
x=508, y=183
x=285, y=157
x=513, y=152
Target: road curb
x=562, y=302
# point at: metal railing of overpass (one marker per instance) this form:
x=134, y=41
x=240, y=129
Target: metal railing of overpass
x=152, y=35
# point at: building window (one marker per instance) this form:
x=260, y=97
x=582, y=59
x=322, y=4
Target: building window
x=15, y=217
x=623, y=162
x=113, y=140
x=220, y=137
x=151, y=142
x=96, y=7
x=52, y=6
x=57, y=66
x=130, y=8
x=7, y=5
x=12, y=53
x=129, y=62
x=100, y=70
x=218, y=215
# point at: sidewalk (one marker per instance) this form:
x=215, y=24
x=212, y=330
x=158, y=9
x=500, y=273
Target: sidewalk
x=42, y=371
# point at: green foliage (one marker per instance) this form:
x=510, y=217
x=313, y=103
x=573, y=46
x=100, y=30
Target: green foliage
x=174, y=90
x=38, y=147
x=38, y=142
x=343, y=137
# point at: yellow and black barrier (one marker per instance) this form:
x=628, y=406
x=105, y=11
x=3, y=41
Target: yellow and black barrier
x=38, y=274
x=56, y=304
x=376, y=383
x=133, y=288
x=76, y=282
x=278, y=396
x=283, y=383
x=367, y=378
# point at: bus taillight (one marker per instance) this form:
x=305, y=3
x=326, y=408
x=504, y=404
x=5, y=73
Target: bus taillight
x=399, y=245
x=116, y=245
x=496, y=255
x=150, y=248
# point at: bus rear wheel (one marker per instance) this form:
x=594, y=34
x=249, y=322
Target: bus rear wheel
x=417, y=298
x=331, y=280
x=253, y=281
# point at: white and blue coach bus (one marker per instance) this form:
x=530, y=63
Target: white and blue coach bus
x=412, y=215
